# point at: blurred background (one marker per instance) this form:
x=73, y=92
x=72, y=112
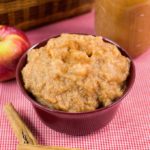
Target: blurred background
x=27, y=14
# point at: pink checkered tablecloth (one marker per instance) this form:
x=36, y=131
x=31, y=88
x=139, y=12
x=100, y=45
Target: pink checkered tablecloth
x=130, y=129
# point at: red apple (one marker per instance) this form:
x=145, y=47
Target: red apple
x=13, y=43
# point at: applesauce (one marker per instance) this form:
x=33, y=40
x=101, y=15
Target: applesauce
x=76, y=73
x=125, y=22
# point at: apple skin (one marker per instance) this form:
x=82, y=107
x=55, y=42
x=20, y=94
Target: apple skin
x=13, y=44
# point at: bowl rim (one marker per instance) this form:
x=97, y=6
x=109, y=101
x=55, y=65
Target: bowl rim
x=45, y=108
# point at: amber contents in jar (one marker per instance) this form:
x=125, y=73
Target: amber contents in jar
x=125, y=21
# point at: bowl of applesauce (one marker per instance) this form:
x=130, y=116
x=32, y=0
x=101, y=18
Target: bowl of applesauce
x=75, y=82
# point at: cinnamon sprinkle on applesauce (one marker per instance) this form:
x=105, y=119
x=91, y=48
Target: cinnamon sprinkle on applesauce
x=76, y=73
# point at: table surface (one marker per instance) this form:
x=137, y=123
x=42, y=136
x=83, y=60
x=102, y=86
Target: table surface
x=130, y=129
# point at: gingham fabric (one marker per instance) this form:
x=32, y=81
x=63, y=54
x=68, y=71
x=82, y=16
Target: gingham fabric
x=130, y=129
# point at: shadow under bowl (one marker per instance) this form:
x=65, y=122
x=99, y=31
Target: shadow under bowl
x=75, y=123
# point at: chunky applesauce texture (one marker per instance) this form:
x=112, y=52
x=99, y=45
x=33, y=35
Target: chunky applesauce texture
x=76, y=73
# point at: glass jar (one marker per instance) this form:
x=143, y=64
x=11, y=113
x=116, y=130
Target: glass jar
x=126, y=22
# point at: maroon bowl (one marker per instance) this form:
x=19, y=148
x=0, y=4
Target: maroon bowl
x=75, y=123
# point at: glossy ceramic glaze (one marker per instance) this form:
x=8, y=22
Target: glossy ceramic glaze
x=74, y=123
